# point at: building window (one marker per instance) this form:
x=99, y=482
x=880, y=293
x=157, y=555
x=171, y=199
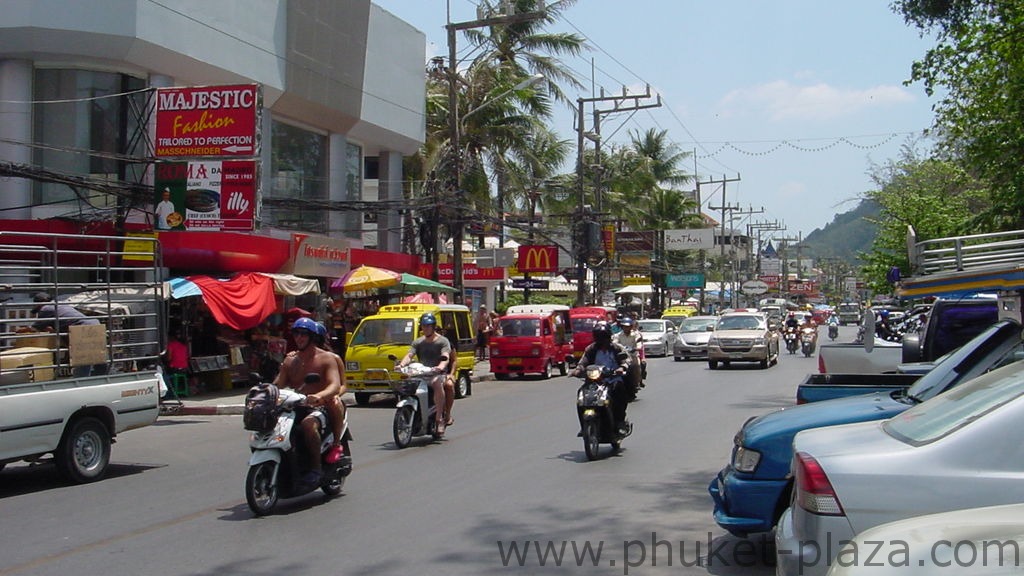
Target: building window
x=85, y=129
x=371, y=168
x=298, y=166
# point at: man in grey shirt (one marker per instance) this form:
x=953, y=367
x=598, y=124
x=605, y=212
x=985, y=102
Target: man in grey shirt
x=435, y=351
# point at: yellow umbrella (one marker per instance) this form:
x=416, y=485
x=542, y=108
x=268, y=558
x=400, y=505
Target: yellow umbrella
x=366, y=278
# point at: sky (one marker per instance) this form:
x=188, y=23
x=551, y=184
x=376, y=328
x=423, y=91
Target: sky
x=791, y=100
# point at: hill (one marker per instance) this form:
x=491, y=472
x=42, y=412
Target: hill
x=847, y=235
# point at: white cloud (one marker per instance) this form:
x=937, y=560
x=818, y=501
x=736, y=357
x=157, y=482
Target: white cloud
x=781, y=100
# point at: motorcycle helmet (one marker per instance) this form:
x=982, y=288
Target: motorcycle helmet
x=627, y=321
x=321, y=332
x=427, y=319
x=883, y=313
x=602, y=333
x=307, y=324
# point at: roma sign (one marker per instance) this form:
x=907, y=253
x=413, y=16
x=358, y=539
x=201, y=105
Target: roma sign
x=538, y=258
x=208, y=121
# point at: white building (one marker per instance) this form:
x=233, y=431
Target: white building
x=342, y=84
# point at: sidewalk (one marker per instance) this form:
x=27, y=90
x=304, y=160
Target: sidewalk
x=223, y=402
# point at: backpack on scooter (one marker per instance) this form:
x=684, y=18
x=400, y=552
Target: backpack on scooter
x=261, y=413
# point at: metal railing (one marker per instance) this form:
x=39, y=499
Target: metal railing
x=968, y=252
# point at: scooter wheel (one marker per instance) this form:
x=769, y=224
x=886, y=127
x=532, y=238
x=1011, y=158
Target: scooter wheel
x=402, y=427
x=591, y=442
x=334, y=487
x=260, y=491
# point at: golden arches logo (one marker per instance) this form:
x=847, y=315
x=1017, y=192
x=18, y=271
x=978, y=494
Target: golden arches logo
x=538, y=259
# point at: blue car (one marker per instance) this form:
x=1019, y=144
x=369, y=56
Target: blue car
x=751, y=492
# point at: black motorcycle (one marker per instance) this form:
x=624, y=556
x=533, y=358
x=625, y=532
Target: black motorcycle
x=594, y=409
x=792, y=339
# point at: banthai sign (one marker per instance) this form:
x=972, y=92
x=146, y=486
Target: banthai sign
x=538, y=258
x=696, y=239
x=210, y=195
x=204, y=121
x=320, y=256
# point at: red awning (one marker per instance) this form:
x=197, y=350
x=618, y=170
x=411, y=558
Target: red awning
x=242, y=302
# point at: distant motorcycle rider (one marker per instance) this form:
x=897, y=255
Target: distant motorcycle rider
x=434, y=351
x=632, y=340
x=613, y=356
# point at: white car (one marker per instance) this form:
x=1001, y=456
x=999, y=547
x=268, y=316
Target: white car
x=659, y=336
x=961, y=449
x=692, y=337
x=972, y=541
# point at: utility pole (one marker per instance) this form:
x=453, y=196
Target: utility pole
x=724, y=208
x=458, y=225
x=622, y=103
x=784, y=245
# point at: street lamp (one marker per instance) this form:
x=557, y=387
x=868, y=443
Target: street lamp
x=453, y=126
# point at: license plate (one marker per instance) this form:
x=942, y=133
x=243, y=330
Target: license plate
x=515, y=361
x=736, y=355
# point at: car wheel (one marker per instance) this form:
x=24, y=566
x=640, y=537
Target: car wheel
x=546, y=373
x=84, y=452
x=563, y=368
x=712, y=364
x=677, y=359
x=501, y=375
x=463, y=386
x=363, y=398
x=764, y=363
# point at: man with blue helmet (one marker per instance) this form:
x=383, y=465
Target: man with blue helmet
x=435, y=351
x=310, y=359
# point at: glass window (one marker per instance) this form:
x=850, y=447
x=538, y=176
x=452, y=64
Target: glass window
x=77, y=112
x=383, y=331
x=696, y=324
x=298, y=163
x=958, y=407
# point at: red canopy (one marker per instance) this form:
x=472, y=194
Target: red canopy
x=242, y=302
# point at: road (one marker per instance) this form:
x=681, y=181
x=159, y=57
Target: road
x=510, y=475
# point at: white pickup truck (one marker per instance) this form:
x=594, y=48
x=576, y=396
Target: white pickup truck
x=79, y=367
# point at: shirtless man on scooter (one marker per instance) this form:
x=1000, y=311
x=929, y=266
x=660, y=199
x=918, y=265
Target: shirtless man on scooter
x=308, y=358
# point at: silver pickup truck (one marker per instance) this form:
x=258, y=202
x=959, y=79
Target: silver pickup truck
x=78, y=352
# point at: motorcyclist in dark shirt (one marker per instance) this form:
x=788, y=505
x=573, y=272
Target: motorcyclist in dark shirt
x=615, y=357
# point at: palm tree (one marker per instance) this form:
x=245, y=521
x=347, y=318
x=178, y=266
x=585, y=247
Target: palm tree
x=526, y=48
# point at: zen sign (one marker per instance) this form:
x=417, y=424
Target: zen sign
x=208, y=121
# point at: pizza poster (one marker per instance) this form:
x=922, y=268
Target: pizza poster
x=205, y=195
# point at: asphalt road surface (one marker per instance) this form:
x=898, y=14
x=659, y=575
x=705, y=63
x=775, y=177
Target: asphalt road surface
x=509, y=490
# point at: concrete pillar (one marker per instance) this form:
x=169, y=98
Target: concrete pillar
x=16, y=126
x=389, y=187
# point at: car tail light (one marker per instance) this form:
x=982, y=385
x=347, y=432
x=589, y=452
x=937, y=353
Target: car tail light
x=536, y=350
x=821, y=363
x=814, y=492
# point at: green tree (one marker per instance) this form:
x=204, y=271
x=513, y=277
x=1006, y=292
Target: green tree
x=978, y=67
x=937, y=198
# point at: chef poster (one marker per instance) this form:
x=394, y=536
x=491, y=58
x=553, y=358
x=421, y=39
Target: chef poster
x=205, y=195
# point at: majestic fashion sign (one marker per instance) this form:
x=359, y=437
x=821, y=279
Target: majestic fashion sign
x=208, y=121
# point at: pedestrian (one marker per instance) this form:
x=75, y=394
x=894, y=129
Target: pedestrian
x=483, y=332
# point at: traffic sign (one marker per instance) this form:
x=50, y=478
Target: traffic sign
x=754, y=287
x=530, y=283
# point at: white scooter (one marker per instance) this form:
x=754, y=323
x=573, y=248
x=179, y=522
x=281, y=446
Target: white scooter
x=415, y=412
x=278, y=457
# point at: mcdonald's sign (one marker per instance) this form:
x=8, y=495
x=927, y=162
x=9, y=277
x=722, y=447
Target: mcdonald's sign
x=538, y=258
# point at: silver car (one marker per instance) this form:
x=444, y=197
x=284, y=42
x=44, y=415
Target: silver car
x=961, y=449
x=659, y=336
x=743, y=337
x=692, y=337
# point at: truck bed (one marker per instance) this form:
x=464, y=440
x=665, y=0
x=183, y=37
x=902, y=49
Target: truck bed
x=817, y=387
x=851, y=358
